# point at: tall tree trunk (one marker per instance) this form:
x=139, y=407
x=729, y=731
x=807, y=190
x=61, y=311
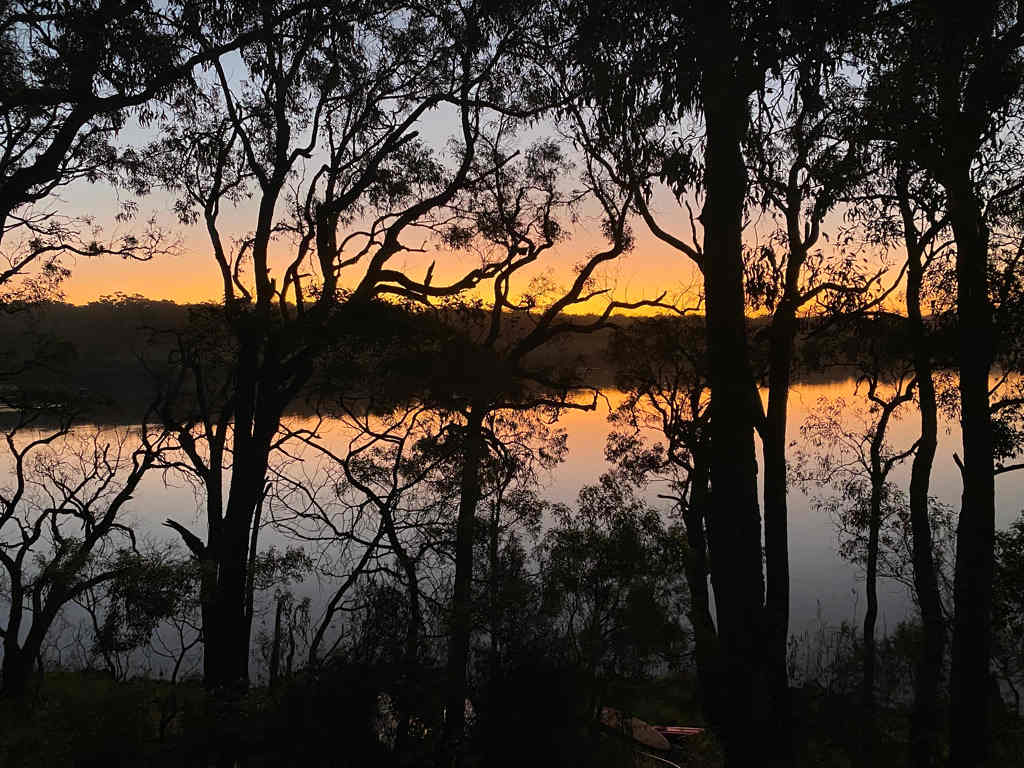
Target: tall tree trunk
x=967, y=63
x=924, y=724
x=20, y=654
x=256, y=421
x=705, y=639
x=14, y=673
x=462, y=618
x=17, y=668
x=871, y=588
x=879, y=470
x=275, y=648
x=410, y=653
x=776, y=512
x=228, y=664
x=208, y=609
x=972, y=628
x=735, y=523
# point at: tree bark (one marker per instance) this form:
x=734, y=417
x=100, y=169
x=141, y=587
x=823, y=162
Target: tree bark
x=968, y=63
x=256, y=419
x=924, y=723
x=705, y=638
x=19, y=658
x=776, y=512
x=871, y=588
x=735, y=524
x=462, y=618
x=970, y=734
x=16, y=667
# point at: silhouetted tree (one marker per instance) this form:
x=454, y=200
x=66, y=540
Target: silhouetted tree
x=897, y=207
x=856, y=460
x=398, y=467
x=61, y=515
x=653, y=68
x=126, y=611
x=804, y=159
x=661, y=437
x=522, y=447
x=349, y=87
x=947, y=82
x=610, y=571
x=515, y=214
x=78, y=74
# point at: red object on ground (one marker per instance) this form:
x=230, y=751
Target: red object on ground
x=678, y=730
x=634, y=727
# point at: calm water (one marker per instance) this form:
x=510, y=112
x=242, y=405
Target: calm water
x=824, y=587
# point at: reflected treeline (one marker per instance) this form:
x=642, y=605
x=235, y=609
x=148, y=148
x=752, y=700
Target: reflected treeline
x=115, y=355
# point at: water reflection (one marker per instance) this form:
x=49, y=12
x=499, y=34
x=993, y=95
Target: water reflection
x=824, y=588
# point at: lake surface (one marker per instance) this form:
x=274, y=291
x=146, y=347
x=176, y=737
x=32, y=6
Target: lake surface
x=825, y=588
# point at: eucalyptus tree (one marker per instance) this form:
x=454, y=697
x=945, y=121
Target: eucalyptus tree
x=660, y=438
x=64, y=527
x=855, y=458
x=516, y=213
x=319, y=121
x=672, y=89
x=77, y=75
x=383, y=510
x=804, y=159
x=126, y=613
x=848, y=451
x=898, y=208
x=947, y=83
x=609, y=570
x=524, y=445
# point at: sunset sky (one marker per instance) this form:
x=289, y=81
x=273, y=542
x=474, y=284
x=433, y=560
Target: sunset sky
x=191, y=275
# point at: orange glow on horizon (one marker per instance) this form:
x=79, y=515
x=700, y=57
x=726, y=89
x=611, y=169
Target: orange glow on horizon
x=192, y=276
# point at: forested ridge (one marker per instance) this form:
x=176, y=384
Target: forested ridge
x=103, y=348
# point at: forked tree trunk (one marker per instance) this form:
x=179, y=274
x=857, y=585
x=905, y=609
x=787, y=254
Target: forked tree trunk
x=17, y=666
x=878, y=468
x=257, y=417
